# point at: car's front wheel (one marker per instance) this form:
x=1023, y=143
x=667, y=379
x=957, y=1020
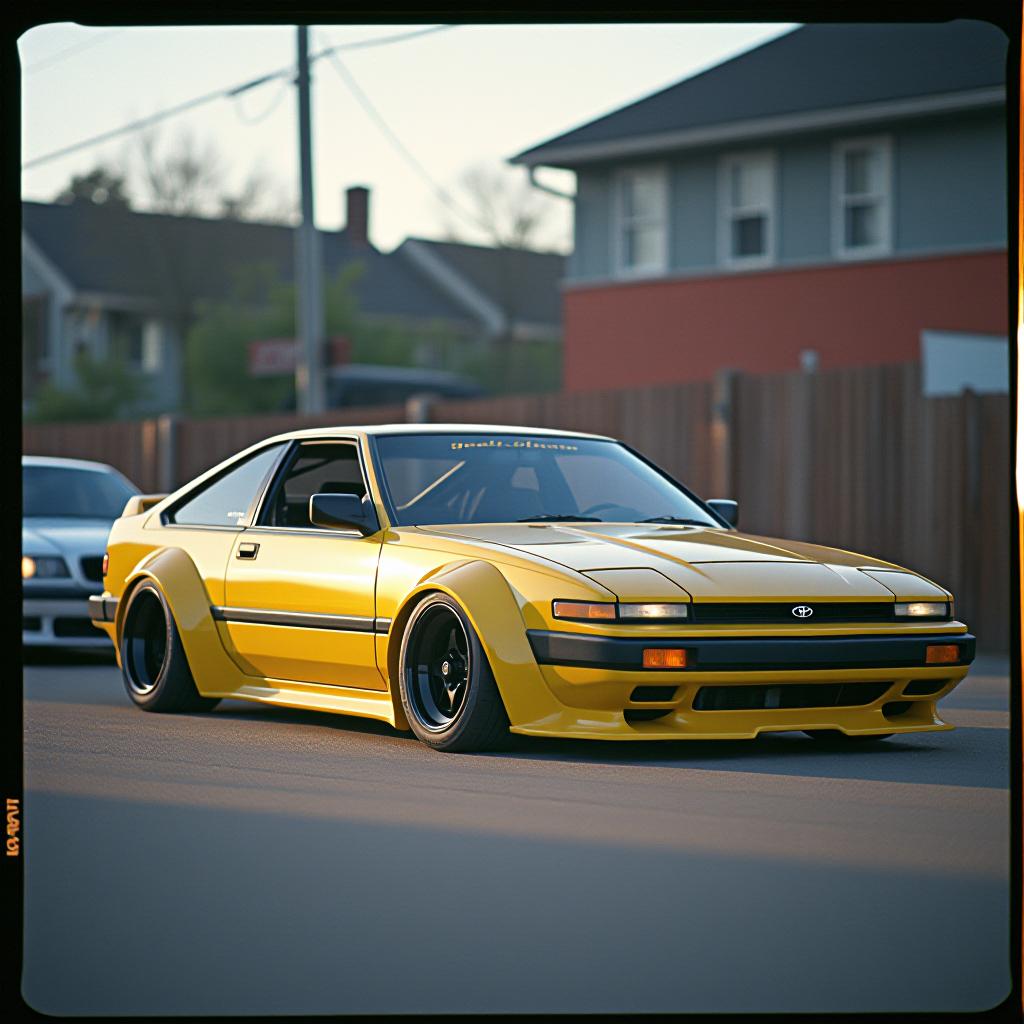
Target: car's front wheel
x=153, y=664
x=448, y=690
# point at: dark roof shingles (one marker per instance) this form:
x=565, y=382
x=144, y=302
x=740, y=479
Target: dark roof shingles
x=157, y=256
x=815, y=67
x=523, y=283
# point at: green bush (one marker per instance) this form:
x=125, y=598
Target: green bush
x=106, y=389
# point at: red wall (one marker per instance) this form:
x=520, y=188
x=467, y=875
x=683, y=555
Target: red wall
x=621, y=335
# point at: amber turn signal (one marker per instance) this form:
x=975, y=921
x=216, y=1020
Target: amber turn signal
x=583, y=610
x=664, y=657
x=942, y=654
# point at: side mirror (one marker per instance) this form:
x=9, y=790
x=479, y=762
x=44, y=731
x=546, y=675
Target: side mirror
x=729, y=510
x=343, y=512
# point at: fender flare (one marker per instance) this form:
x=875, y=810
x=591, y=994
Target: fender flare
x=174, y=572
x=487, y=598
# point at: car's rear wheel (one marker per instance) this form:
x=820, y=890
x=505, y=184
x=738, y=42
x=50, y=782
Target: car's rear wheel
x=835, y=736
x=153, y=663
x=448, y=690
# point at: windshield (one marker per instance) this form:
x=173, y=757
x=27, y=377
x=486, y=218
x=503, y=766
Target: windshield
x=78, y=493
x=504, y=478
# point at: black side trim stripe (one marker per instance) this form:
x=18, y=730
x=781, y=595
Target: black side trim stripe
x=302, y=620
x=727, y=654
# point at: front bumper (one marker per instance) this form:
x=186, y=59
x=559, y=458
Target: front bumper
x=737, y=687
x=59, y=622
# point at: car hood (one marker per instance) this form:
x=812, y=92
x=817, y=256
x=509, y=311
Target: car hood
x=637, y=562
x=59, y=535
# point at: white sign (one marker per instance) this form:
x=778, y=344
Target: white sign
x=952, y=361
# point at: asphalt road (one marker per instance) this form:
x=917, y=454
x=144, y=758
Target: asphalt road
x=259, y=861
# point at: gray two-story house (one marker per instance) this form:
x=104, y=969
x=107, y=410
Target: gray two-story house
x=828, y=198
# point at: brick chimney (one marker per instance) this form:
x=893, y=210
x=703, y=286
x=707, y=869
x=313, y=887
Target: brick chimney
x=357, y=215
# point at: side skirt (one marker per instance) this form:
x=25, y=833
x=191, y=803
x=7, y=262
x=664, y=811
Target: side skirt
x=336, y=700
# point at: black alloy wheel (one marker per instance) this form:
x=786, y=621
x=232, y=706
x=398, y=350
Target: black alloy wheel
x=447, y=688
x=155, y=669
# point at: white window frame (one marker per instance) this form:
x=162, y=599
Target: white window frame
x=883, y=143
x=619, y=221
x=727, y=212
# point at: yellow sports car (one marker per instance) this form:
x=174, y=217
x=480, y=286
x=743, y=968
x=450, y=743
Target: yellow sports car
x=465, y=581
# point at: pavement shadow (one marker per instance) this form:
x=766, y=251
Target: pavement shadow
x=963, y=757
x=63, y=656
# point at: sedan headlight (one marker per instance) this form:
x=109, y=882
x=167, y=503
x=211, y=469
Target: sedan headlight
x=924, y=610
x=589, y=611
x=43, y=567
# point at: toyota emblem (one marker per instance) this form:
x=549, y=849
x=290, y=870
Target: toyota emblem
x=803, y=611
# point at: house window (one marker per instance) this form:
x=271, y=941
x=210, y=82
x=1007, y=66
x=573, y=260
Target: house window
x=746, y=222
x=641, y=235
x=862, y=190
x=137, y=341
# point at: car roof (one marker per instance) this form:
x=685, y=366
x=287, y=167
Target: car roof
x=385, y=429
x=49, y=460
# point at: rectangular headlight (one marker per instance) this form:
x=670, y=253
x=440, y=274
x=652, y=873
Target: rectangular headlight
x=922, y=610
x=653, y=612
x=590, y=610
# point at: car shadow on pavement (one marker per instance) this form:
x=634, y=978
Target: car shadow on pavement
x=56, y=656
x=962, y=757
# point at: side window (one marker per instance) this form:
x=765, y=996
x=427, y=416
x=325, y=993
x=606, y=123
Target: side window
x=329, y=467
x=226, y=501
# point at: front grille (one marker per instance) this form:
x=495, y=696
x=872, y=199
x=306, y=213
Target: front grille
x=92, y=568
x=763, y=612
x=787, y=695
x=68, y=627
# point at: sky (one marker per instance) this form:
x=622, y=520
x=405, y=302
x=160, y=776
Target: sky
x=468, y=96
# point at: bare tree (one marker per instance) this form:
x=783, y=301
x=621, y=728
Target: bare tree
x=506, y=210
x=188, y=177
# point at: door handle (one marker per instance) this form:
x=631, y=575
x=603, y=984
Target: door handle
x=247, y=550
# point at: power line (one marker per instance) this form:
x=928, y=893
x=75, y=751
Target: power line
x=227, y=93
x=70, y=51
x=364, y=101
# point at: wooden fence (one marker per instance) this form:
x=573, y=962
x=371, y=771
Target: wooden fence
x=855, y=458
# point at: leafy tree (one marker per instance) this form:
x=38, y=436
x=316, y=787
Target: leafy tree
x=106, y=389
x=102, y=186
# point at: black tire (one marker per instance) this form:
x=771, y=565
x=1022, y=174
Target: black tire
x=448, y=690
x=153, y=663
x=835, y=736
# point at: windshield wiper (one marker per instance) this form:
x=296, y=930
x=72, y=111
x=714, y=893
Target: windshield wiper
x=556, y=518
x=677, y=519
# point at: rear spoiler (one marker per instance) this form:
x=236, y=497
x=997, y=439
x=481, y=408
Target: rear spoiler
x=141, y=503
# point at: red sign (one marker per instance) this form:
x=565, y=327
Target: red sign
x=274, y=357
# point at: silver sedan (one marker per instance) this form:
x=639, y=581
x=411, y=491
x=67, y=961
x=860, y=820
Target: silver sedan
x=68, y=506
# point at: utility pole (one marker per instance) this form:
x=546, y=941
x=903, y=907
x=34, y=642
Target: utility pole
x=309, y=306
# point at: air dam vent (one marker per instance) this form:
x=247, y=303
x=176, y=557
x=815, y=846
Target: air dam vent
x=787, y=695
x=924, y=687
x=645, y=714
x=651, y=694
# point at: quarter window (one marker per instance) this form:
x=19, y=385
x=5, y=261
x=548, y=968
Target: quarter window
x=861, y=218
x=226, y=501
x=747, y=209
x=641, y=232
